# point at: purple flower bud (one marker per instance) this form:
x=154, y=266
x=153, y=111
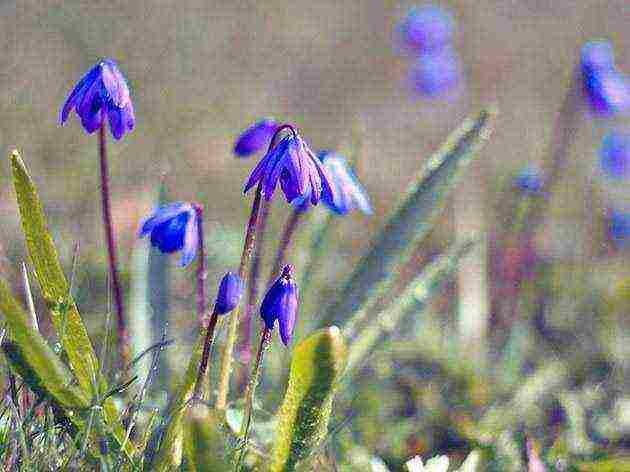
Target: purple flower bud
x=433, y=76
x=173, y=228
x=281, y=303
x=597, y=55
x=101, y=94
x=427, y=29
x=293, y=164
x=230, y=292
x=529, y=180
x=619, y=228
x=255, y=138
x=615, y=155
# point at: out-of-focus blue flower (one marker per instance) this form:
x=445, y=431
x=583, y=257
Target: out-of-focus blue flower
x=255, y=138
x=426, y=29
x=529, y=180
x=281, y=304
x=229, y=295
x=174, y=227
x=433, y=76
x=101, y=94
x=614, y=155
x=619, y=228
x=293, y=164
x=349, y=193
x=606, y=90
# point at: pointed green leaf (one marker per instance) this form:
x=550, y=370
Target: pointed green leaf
x=55, y=289
x=35, y=361
x=414, y=217
x=317, y=363
x=205, y=442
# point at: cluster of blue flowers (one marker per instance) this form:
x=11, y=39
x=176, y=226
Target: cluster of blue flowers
x=427, y=33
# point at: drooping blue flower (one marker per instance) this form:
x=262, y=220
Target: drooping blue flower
x=281, y=304
x=255, y=138
x=349, y=193
x=174, y=227
x=426, y=29
x=529, y=180
x=229, y=295
x=293, y=164
x=619, y=228
x=102, y=94
x=597, y=55
x=434, y=75
x=614, y=155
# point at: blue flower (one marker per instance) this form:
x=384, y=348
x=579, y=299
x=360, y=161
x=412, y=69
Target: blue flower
x=427, y=29
x=597, y=55
x=433, y=76
x=102, y=93
x=174, y=227
x=229, y=295
x=281, y=304
x=293, y=164
x=349, y=193
x=255, y=138
x=619, y=228
x=529, y=180
x=615, y=155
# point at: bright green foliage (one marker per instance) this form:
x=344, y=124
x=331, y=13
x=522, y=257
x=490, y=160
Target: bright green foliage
x=204, y=441
x=317, y=363
x=412, y=220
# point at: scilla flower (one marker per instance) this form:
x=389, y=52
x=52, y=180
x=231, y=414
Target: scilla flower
x=173, y=228
x=293, y=164
x=100, y=95
x=281, y=304
x=349, y=193
x=255, y=138
x=619, y=228
x=529, y=180
x=230, y=292
x=614, y=155
x=433, y=76
x=427, y=29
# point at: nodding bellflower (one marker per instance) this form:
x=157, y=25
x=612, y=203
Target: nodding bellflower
x=229, y=295
x=349, y=193
x=299, y=171
x=101, y=94
x=281, y=304
x=255, y=138
x=174, y=227
x=605, y=89
x=426, y=29
x=614, y=155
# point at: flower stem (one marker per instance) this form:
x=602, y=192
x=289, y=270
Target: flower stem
x=265, y=339
x=248, y=249
x=205, y=357
x=123, y=339
x=201, y=269
x=287, y=235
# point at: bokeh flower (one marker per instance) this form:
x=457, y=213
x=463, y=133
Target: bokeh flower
x=433, y=76
x=619, y=228
x=255, y=138
x=299, y=171
x=281, y=304
x=174, y=227
x=349, y=193
x=101, y=94
x=614, y=155
x=229, y=295
x=597, y=55
x=529, y=180
x=426, y=29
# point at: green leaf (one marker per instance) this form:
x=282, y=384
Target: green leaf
x=34, y=359
x=54, y=287
x=619, y=464
x=317, y=363
x=205, y=444
x=413, y=219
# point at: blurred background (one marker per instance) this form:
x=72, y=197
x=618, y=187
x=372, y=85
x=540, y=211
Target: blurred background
x=202, y=71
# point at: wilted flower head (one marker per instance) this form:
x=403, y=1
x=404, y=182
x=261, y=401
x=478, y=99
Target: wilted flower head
x=606, y=90
x=255, y=138
x=433, y=76
x=529, y=180
x=349, y=193
x=293, y=164
x=101, y=94
x=281, y=303
x=615, y=155
x=426, y=29
x=230, y=292
x=174, y=227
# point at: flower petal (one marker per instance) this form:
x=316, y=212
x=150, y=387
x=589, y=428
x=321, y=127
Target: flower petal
x=161, y=215
x=191, y=240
